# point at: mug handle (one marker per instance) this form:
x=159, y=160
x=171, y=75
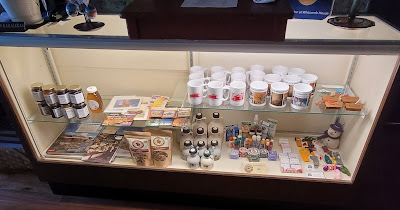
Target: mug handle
x=205, y=71
x=224, y=91
x=207, y=80
x=205, y=89
x=228, y=79
x=248, y=77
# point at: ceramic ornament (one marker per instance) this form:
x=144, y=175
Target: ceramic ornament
x=331, y=137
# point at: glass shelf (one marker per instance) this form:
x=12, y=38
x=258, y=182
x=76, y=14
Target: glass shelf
x=92, y=118
x=179, y=99
x=308, y=36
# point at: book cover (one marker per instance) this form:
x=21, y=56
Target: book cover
x=71, y=142
x=102, y=150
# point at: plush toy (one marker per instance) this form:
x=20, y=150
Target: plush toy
x=332, y=136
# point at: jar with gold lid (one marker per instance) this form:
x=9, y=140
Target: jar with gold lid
x=44, y=108
x=62, y=94
x=76, y=94
x=81, y=110
x=68, y=111
x=49, y=94
x=56, y=110
x=37, y=91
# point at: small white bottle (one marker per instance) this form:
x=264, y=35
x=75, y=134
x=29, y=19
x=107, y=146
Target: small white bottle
x=216, y=122
x=201, y=147
x=185, y=135
x=193, y=159
x=185, y=152
x=201, y=136
x=200, y=122
x=215, y=150
x=214, y=136
x=207, y=163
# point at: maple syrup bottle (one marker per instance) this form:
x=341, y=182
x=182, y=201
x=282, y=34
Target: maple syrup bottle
x=201, y=136
x=214, y=136
x=193, y=159
x=200, y=122
x=216, y=122
x=207, y=163
x=186, y=148
x=185, y=135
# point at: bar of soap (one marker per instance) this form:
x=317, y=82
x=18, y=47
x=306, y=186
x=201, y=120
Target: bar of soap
x=350, y=99
x=334, y=105
x=330, y=98
x=354, y=107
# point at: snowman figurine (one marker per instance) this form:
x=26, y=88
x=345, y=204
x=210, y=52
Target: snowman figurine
x=332, y=136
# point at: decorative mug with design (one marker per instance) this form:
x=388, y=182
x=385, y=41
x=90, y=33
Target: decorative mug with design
x=254, y=75
x=237, y=93
x=258, y=93
x=196, y=91
x=217, y=92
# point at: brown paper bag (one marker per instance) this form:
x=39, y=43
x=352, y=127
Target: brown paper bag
x=140, y=147
x=161, y=146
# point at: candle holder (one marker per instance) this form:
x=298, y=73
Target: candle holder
x=351, y=21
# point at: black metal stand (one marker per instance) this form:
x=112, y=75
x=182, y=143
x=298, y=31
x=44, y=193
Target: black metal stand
x=88, y=25
x=351, y=21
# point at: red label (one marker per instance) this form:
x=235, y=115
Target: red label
x=194, y=95
x=213, y=96
x=237, y=97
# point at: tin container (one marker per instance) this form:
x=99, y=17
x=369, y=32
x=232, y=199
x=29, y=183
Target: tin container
x=253, y=154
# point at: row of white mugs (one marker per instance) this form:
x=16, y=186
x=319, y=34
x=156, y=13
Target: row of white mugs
x=296, y=84
x=256, y=73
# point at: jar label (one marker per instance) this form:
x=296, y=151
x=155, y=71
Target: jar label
x=51, y=99
x=57, y=112
x=45, y=110
x=81, y=113
x=93, y=105
x=64, y=99
x=68, y=113
x=38, y=96
x=77, y=98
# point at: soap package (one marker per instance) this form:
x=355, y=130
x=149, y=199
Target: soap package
x=161, y=147
x=139, y=147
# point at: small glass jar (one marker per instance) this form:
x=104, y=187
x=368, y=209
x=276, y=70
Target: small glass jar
x=81, y=110
x=37, y=92
x=56, y=110
x=75, y=94
x=49, y=94
x=62, y=94
x=67, y=111
x=44, y=108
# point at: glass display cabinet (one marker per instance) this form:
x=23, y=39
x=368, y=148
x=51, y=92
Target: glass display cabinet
x=360, y=63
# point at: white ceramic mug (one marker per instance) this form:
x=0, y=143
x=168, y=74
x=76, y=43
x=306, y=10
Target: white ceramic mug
x=237, y=93
x=199, y=76
x=279, y=92
x=291, y=80
x=238, y=77
x=220, y=76
x=301, y=96
x=271, y=78
x=281, y=70
x=256, y=67
x=196, y=91
x=296, y=71
x=198, y=69
x=258, y=93
x=216, y=92
x=238, y=69
x=310, y=79
x=254, y=75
